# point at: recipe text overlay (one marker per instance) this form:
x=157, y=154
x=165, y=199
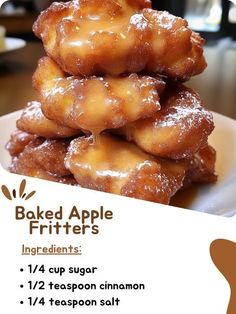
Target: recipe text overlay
x=77, y=221
x=46, y=291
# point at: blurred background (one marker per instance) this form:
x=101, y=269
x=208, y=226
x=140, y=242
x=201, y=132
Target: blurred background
x=214, y=19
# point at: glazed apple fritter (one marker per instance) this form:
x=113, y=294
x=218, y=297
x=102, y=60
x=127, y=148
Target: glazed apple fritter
x=201, y=167
x=116, y=166
x=95, y=104
x=178, y=130
x=33, y=121
x=96, y=37
x=43, y=159
x=18, y=141
x=110, y=165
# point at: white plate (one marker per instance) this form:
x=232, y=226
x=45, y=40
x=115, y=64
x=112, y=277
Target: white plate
x=13, y=44
x=219, y=198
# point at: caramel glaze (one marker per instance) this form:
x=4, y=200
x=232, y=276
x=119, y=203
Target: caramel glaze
x=18, y=141
x=33, y=121
x=43, y=159
x=201, y=167
x=109, y=165
x=89, y=37
x=179, y=130
x=116, y=166
x=95, y=104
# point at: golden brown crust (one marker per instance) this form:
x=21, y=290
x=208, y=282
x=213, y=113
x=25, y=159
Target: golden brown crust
x=43, y=159
x=18, y=141
x=33, y=121
x=50, y=156
x=178, y=130
x=112, y=165
x=201, y=167
x=116, y=166
x=113, y=37
x=95, y=104
x=157, y=183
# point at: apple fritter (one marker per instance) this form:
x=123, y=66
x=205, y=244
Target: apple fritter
x=18, y=141
x=43, y=159
x=97, y=37
x=178, y=130
x=201, y=167
x=95, y=104
x=110, y=165
x=33, y=121
x=116, y=166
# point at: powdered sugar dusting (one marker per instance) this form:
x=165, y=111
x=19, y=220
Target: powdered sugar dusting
x=139, y=21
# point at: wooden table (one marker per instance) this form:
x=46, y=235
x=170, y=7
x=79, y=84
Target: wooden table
x=16, y=70
x=217, y=85
x=18, y=23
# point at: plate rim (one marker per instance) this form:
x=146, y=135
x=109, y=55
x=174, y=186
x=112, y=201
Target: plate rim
x=20, y=43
